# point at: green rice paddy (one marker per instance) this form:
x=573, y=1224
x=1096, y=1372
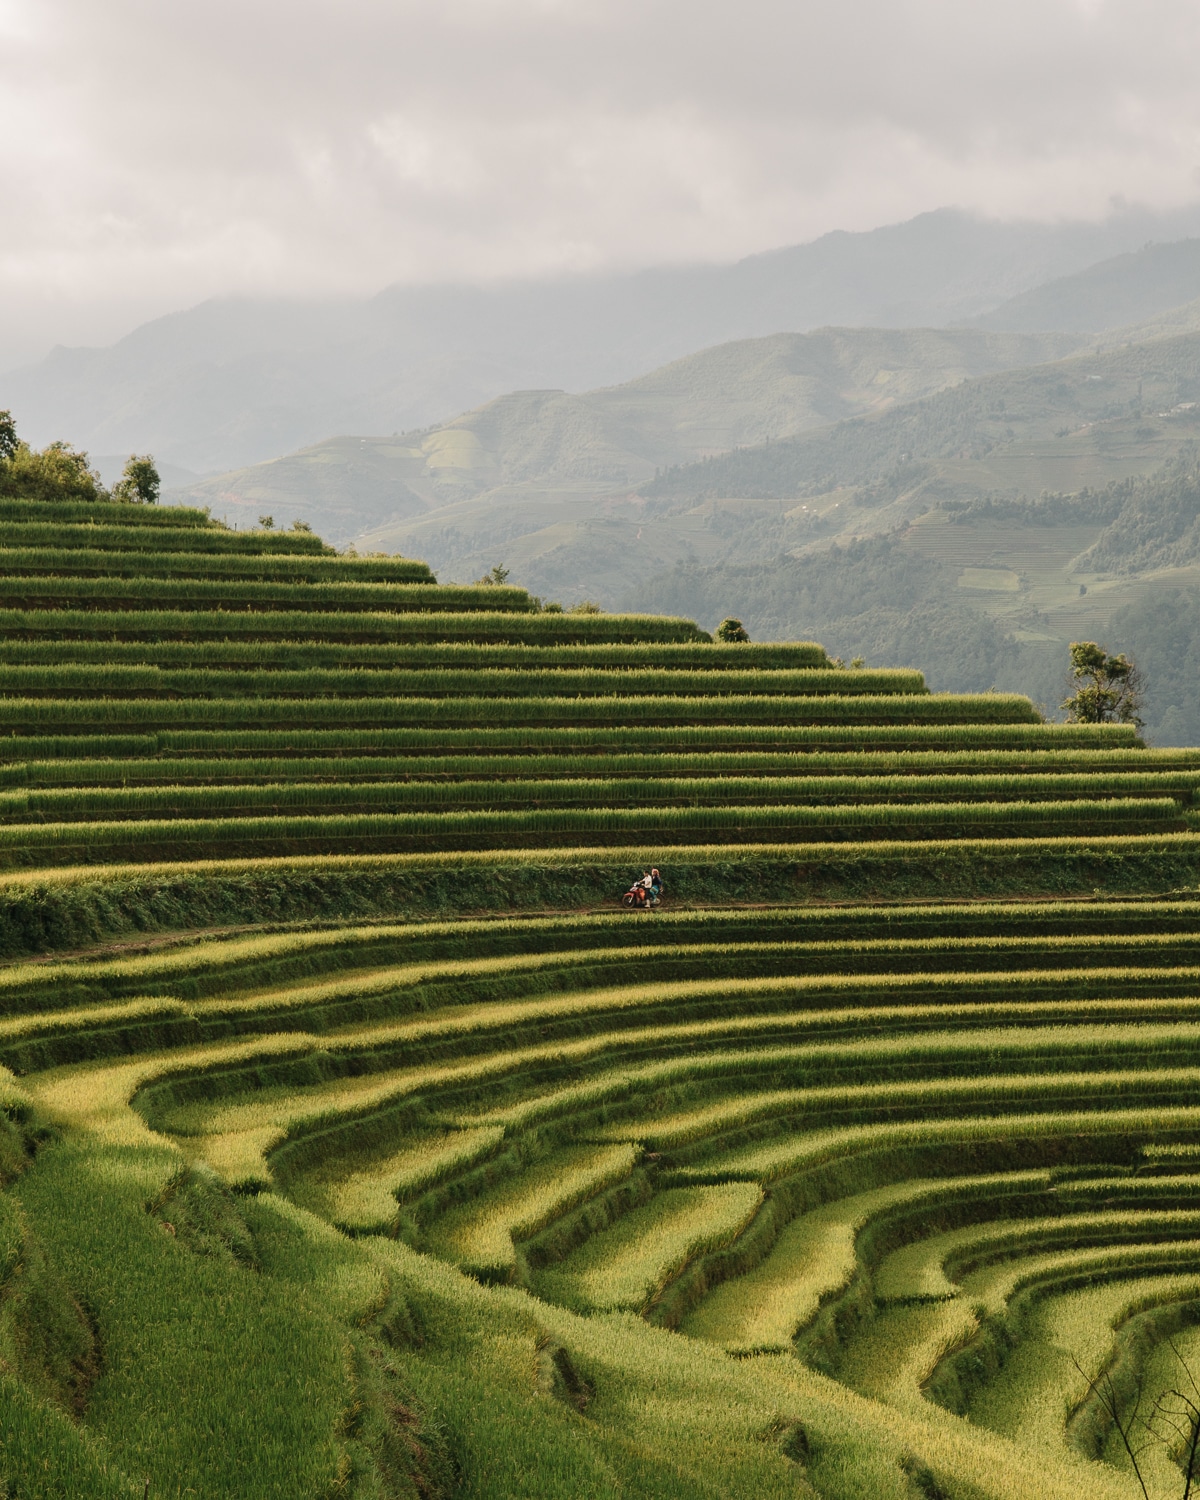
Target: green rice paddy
x=356, y=1142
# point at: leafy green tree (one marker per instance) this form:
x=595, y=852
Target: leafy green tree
x=732, y=630
x=8, y=436
x=495, y=579
x=585, y=607
x=267, y=523
x=139, y=484
x=58, y=472
x=1108, y=688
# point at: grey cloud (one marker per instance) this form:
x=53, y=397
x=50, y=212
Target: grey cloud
x=157, y=154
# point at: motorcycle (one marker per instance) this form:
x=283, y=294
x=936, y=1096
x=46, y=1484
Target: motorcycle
x=637, y=897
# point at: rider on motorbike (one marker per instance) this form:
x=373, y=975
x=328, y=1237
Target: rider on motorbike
x=646, y=891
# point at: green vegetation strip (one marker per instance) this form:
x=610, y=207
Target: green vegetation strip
x=33, y=843
x=82, y=904
x=134, y=593
x=412, y=655
x=810, y=941
x=490, y=623
x=508, y=682
x=594, y=740
x=832, y=799
x=36, y=715
x=161, y=537
x=625, y=1267
x=100, y=562
x=104, y=513
x=1175, y=772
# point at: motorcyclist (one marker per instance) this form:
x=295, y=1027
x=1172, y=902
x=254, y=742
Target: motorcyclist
x=646, y=890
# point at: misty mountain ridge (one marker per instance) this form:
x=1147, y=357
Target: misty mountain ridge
x=237, y=381
x=1132, y=289
x=895, y=490
x=734, y=395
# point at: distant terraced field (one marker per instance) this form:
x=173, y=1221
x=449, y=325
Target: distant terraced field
x=356, y=1142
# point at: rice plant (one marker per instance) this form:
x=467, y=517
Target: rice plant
x=626, y=1266
x=55, y=593
x=120, y=562
x=315, y=994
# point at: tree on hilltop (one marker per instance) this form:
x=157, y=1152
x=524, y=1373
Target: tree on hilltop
x=60, y=472
x=57, y=472
x=732, y=630
x=139, y=484
x=1108, y=688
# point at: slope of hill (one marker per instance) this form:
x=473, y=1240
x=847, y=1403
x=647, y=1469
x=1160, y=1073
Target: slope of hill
x=542, y=482
x=1138, y=287
x=234, y=382
x=985, y=591
x=348, y=1117
x=1016, y=428
x=609, y=440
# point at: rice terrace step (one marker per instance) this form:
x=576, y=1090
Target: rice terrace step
x=356, y=1142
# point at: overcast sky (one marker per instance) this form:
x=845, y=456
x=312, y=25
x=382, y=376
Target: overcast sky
x=154, y=154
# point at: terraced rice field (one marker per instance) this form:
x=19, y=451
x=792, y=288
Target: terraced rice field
x=356, y=1142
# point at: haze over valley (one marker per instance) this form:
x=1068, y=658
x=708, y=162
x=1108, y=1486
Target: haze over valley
x=886, y=488
x=870, y=435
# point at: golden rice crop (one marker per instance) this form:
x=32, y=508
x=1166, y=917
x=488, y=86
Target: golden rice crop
x=625, y=1266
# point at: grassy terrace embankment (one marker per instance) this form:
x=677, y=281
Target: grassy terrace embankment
x=325, y=1045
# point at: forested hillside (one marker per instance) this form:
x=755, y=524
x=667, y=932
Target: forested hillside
x=994, y=418
x=988, y=592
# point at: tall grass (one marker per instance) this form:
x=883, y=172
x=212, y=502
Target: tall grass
x=36, y=715
x=469, y=621
x=829, y=799
x=153, y=838
x=777, y=1155
x=423, y=655
x=365, y=1199
x=108, y=537
x=557, y=682
x=180, y=1332
x=595, y=742
x=809, y=1088
x=931, y=1268
x=480, y=1235
x=120, y=563
x=626, y=1266
x=1135, y=937
x=831, y=775
x=253, y=595
x=817, y=1256
x=104, y=513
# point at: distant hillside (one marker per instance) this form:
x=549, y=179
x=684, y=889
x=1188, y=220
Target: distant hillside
x=1109, y=406
x=1133, y=288
x=234, y=382
x=986, y=592
x=740, y=393
x=1158, y=523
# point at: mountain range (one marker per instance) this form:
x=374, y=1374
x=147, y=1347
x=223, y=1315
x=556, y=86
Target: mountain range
x=237, y=381
x=966, y=496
